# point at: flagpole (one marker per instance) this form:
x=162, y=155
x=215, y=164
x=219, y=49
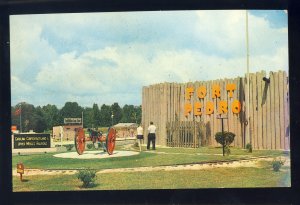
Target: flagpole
x=21, y=118
x=248, y=78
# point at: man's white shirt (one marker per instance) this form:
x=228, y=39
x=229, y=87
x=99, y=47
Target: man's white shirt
x=152, y=129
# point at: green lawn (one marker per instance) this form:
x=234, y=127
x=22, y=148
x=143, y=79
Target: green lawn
x=262, y=176
x=171, y=156
x=211, y=178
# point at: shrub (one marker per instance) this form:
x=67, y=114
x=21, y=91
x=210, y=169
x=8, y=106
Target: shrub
x=87, y=176
x=249, y=147
x=276, y=164
x=69, y=147
x=228, y=138
x=90, y=146
x=227, y=150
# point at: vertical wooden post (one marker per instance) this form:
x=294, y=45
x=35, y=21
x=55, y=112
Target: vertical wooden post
x=259, y=111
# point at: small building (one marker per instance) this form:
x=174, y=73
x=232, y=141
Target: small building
x=125, y=130
x=67, y=132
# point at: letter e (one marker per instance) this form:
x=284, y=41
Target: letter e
x=187, y=109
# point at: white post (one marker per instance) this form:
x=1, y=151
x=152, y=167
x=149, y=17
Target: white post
x=61, y=135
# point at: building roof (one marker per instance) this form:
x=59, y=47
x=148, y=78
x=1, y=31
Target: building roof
x=121, y=125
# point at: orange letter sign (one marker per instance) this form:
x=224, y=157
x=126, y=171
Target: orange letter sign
x=216, y=91
x=201, y=92
x=230, y=88
x=187, y=109
x=223, y=107
x=188, y=93
x=197, y=109
x=236, y=107
x=209, y=108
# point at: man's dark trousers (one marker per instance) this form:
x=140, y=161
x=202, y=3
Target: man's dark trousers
x=151, y=138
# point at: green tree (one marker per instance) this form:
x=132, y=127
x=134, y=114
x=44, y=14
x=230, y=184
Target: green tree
x=117, y=112
x=131, y=113
x=70, y=110
x=27, y=117
x=15, y=116
x=27, y=112
x=96, y=115
x=38, y=120
x=88, y=117
x=138, y=114
x=51, y=115
x=105, y=116
x=128, y=113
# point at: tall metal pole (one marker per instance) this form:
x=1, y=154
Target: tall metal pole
x=248, y=78
x=21, y=118
x=223, y=137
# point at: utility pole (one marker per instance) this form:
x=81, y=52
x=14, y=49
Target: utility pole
x=223, y=137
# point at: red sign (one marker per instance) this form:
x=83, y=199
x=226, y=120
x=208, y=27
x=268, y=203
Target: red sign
x=20, y=168
x=13, y=127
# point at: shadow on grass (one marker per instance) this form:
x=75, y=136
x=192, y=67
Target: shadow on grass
x=93, y=185
x=25, y=180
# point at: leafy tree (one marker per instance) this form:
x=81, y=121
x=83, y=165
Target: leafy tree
x=88, y=117
x=131, y=113
x=15, y=116
x=117, y=112
x=96, y=115
x=27, y=117
x=105, y=116
x=51, y=115
x=138, y=114
x=127, y=114
x=38, y=120
x=70, y=110
x=44, y=118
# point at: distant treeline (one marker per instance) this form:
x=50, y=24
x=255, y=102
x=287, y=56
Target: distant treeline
x=44, y=118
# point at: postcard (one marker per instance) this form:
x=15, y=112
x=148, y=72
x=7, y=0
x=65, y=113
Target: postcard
x=189, y=99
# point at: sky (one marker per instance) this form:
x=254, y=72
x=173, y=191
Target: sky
x=108, y=57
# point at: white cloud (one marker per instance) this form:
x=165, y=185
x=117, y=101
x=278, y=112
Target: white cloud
x=28, y=49
x=117, y=71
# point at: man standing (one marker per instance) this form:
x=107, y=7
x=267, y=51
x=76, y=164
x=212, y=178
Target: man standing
x=151, y=136
x=140, y=135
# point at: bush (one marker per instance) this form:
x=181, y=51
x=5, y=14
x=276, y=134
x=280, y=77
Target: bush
x=276, y=164
x=90, y=146
x=249, y=147
x=227, y=150
x=87, y=177
x=69, y=147
x=228, y=138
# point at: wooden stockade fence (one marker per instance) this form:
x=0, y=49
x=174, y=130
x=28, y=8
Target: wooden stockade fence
x=186, y=134
x=268, y=120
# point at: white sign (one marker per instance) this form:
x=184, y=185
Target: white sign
x=72, y=120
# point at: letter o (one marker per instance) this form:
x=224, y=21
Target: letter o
x=236, y=107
